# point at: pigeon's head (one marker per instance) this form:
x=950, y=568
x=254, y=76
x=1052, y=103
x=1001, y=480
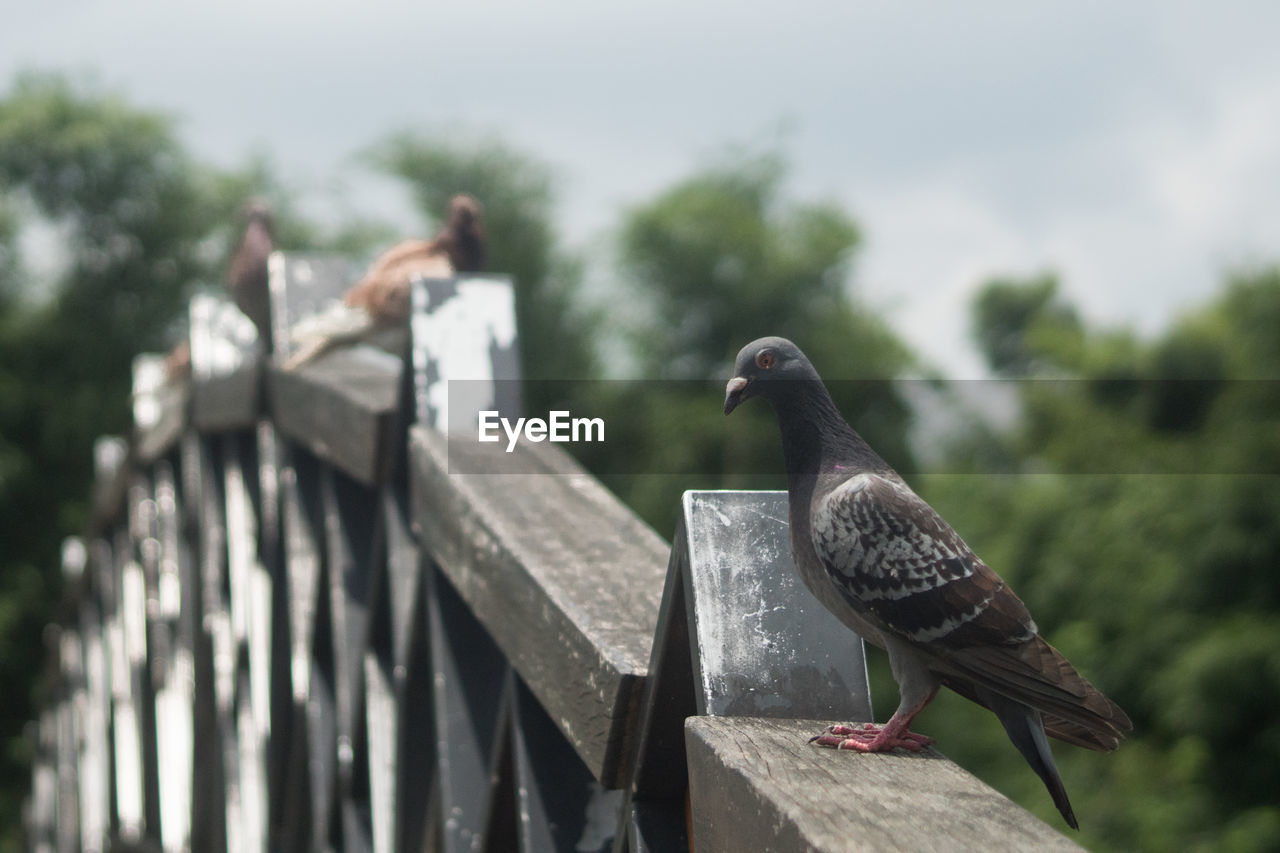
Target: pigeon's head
x=760, y=365
x=256, y=210
x=464, y=212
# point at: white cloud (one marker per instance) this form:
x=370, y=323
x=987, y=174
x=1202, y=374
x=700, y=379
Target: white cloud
x=928, y=249
x=1128, y=146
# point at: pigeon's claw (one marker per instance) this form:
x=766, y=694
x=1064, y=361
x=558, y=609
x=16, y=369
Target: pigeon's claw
x=872, y=738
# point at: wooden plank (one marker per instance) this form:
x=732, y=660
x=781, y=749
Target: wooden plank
x=160, y=407
x=202, y=519
x=757, y=784
x=44, y=806
x=112, y=468
x=381, y=693
x=652, y=826
x=174, y=662
x=303, y=812
x=291, y=790
x=418, y=793
x=223, y=339
x=251, y=763
x=302, y=286
x=659, y=771
x=384, y=735
x=561, y=807
x=174, y=402
x=303, y=530
x=64, y=750
x=231, y=402
x=128, y=659
x=565, y=578
x=144, y=549
x=404, y=570
x=503, y=822
x=226, y=366
x=343, y=407
x=322, y=730
x=349, y=521
x=471, y=700
x=464, y=349
x=248, y=603
x=95, y=762
x=269, y=464
x=283, y=710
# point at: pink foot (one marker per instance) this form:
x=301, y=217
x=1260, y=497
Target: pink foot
x=871, y=738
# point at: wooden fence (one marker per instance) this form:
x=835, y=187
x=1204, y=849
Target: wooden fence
x=292, y=625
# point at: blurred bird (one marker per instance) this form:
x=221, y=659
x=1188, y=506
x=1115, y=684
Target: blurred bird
x=884, y=562
x=459, y=247
x=177, y=364
x=247, y=273
x=247, y=282
x=380, y=300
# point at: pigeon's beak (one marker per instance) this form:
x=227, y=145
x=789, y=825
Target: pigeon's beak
x=733, y=393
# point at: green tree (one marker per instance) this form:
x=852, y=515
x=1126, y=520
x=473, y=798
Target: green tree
x=1018, y=324
x=721, y=258
x=556, y=333
x=226, y=191
x=140, y=223
x=717, y=260
x=1146, y=546
x=118, y=188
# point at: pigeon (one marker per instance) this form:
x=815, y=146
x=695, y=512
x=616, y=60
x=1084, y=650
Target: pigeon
x=177, y=364
x=891, y=569
x=247, y=273
x=377, y=307
x=459, y=247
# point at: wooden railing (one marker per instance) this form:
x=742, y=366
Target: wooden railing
x=292, y=625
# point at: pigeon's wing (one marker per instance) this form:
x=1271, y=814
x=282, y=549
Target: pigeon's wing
x=313, y=336
x=898, y=563
x=384, y=289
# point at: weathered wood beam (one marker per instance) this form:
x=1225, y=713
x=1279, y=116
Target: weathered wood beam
x=157, y=439
x=343, y=407
x=565, y=578
x=757, y=784
x=114, y=468
x=228, y=402
x=159, y=408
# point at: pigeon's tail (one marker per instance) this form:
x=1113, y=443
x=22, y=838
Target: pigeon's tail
x=1026, y=730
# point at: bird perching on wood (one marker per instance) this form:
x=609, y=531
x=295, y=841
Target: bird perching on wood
x=459, y=247
x=247, y=272
x=884, y=562
x=380, y=300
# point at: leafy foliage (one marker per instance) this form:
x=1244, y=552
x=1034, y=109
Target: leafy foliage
x=556, y=340
x=1022, y=327
x=1149, y=558
x=710, y=264
x=121, y=193
x=138, y=224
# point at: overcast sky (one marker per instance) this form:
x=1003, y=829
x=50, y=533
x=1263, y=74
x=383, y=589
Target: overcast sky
x=1132, y=147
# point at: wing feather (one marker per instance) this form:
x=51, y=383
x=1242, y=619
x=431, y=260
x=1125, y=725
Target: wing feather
x=902, y=567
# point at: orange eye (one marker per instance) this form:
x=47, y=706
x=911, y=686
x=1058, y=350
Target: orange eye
x=765, y=359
